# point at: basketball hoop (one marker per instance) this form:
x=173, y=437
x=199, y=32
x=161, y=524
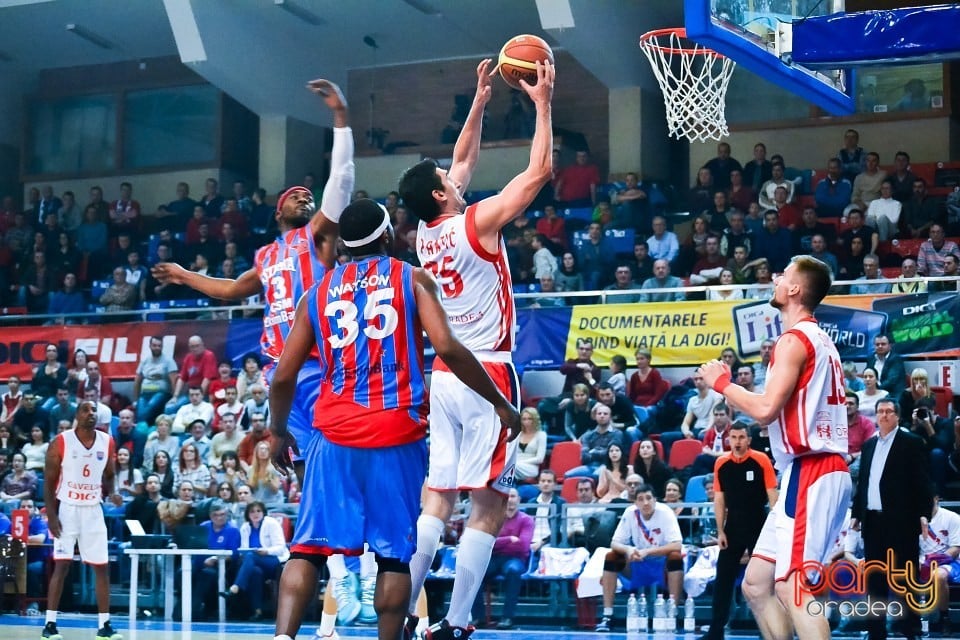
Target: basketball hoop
x=694, y=81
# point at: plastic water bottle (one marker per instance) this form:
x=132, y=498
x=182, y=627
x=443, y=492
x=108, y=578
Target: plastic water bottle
x=925, y=618
x=671, y=615
x=689, y=616
x=718, y=443
x=644, y=612
x=633, y=615
x=659, y=614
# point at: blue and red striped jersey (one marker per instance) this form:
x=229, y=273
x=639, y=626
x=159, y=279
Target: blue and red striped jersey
x=287, y=267
x=374, y=391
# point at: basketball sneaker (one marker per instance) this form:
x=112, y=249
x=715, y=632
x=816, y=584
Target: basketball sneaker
x=345, y=593
x=410, y=627
x=333, y=635
x=50, y=632
x=603, y=626
x=106, y=632
x=443, y=631
x=368, y=587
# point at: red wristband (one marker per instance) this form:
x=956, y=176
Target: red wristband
x=722, y=383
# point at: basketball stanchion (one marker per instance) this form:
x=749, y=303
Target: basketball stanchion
x=694, y=81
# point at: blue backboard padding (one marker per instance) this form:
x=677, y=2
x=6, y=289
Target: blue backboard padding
x=916, y=34
x=752, y=55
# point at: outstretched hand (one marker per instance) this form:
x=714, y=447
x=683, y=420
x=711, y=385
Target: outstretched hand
x=484, y=82
x=168, y=272
x=330, y=92
x=713, y=371
x=280, y=448
x=542, y=92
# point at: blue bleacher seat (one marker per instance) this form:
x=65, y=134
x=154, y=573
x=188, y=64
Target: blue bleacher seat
x=621, y=240
x=696, y=491
x=448, y=564
x=98, y=288
x=584, y=214
x=477, y=196
x=527, y=288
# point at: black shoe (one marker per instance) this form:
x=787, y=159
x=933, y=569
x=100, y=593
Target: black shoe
x=50, y=632
x=410, y=627
x=603, y=626
x=257, y=616
x=506, y=623
x=106, y=632
x=443, y=631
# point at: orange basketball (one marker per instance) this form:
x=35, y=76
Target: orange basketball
x=518, y=59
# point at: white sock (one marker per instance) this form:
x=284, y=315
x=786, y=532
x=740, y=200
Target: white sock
x=473, y=556
x=51, y=616
x=337, y=567
x=328, y=621
x=429, y=530
x=422, y=625
x=368, y=565
x=102, y=619
x=282, y=636
x=608, y=612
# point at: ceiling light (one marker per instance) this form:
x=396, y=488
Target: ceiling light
x=304, y=14
x=89, y=36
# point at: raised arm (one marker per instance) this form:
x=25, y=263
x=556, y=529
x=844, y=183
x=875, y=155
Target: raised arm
x=461, y=361
x=764, y=408
x=494, y=213
x=248, y=284
x=467, y=150
x=339, y=187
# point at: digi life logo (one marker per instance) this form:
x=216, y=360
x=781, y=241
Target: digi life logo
x=752, y=324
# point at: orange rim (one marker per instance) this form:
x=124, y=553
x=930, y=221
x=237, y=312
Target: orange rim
x=649, y=40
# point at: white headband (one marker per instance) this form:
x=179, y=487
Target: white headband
x=376, y=233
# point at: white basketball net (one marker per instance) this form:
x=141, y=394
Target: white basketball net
x=694, y=81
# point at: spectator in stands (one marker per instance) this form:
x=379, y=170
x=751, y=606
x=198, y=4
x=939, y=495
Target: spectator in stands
x=195, y=410
x=129, y=480
x=233, y=223
x=951, y=262
x=9, y=442
x=871, y=393
x=694, y=246
x=759, y=170
x=576, y=184
x=35, y=451
x=511, y=553
x=578, y=511
x=68, y=300
x=97, y=381
x=20, y=483
x=62, y=257
x=157, y=290
x=767, y=196
x=917, y=395
x=649, y=465
x=161, y=441
x=716, y=440
x=12, y=400
x=810, y=226
x=47, y=204
x=120, y=295
x=642, y=265
x=221, y=534
x=547, y=286
x=920, y=211
x=190, y=468
x=250, y=375
x=29, y=414
x=594, y=443
x=623, y=414
x=697, y=417
x=700, y=197
x=883, y=213
x=20, y=233
x=740, y=195
x=888, y=367
x=257, y=403
x=818, y=249
x=902, y=178
x=834, y=192
x=736, y=235
x=552, y=227
x=47, y=376
x=143, y=506
x=544, y=262
x=662, y=280
x=934, y=250
x=648, y=541
x=198, y=370
x=742, y=269
x=851, y=379
x=718, y=214
x=212, y=201
x=546, y=528
x=136, y=274
x=852, y=157
x=726, y=291
x=182, y=207
x=663, y=244
x=612, y=480
x=686, y=517
x=707, y=269
x=623, y=277
x=531, y=445
x=39, y=550
x=722, y=166
x=36, y=282
x=852, y=266
x=264, y=481
x=595, y=258
x=258, y=433
x=231, y=251
x=569, y=278
x=265, y=549
x=154, y=382
x=124, y=213
x=69, y=215
x=859, y=429
x=618, y=377
x=634, y=204
x=126, y=434
x=580, y=370
x=163, y=469
x=871, y=271
x=62, y=408
x=775, y=243
x=228, y=439
x=646, y=387
x=231, y=406
x=908, y=269
x=577, y=412
x=866, y=186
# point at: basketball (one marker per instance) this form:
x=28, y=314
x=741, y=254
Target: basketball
x=518, y=59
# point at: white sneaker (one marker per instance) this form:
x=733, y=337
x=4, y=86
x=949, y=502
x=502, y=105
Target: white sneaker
x=345, y=593
x=332, y=636
x=368, y=614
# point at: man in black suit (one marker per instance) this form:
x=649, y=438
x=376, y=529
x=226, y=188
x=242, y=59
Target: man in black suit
x=893, y=493
x=891, y=371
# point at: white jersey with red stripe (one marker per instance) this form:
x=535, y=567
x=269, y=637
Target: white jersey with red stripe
x=81, y=469
x=476, y=289
x=814, y=418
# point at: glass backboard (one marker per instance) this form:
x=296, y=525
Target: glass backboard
x=750, y=32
